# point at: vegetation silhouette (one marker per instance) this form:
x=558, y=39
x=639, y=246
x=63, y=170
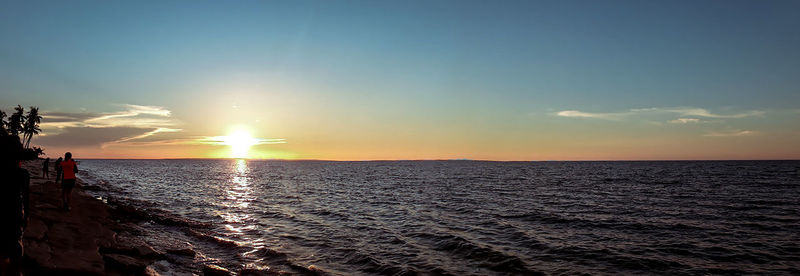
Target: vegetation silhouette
x=31, y=125
x=25, y=124
x=14, y=195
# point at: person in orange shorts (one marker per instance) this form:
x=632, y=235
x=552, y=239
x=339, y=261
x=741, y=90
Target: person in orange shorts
x=69, y=168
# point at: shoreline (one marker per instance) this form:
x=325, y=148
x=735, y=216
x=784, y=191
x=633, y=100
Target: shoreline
x=91, y=239
x=105, y=236
x=101, y=236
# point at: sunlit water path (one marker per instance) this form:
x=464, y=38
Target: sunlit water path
x=469, y=218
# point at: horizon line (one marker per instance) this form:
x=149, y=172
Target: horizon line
x=449, y=159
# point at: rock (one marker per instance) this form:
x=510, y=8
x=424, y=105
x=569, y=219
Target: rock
x=215, y=270
x=315, y=269
x=129, y=228
x=64, y=242
x=44, y=206
x=36, y=229
x=150, y=271
x=182, y=251
x=129, y=244
x=258, y=272
x=37, y=251
x=147, y=251
x=81, y=261
x=127, y=263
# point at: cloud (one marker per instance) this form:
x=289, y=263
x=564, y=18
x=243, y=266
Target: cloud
x=134, y=116
x=581, y=114
x=62, y=117
x=134, y=123
x=135, y=110
x=162, y=142
x=733, y=133
x=88, y=136
x=220, y=140
x=685, y=121
x=700, y=112
x=680, y=111
x=134, y=126
x=143, y=135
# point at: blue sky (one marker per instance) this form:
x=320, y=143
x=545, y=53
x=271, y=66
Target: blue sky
x=462, y=68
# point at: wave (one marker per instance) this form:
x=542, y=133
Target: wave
x=369, y=264
x=480, y=255
x=209, y=236
x=128, y=210
x=615, y=224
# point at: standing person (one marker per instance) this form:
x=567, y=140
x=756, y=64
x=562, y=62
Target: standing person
x=58, y=169
x=69, y=168
x=14, y=211
x=46, y=168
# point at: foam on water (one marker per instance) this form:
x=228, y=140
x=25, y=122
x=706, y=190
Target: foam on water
x=465, y=217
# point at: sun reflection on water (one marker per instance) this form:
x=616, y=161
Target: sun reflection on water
x=238, y=220
x=238, y=198
x=239, y=192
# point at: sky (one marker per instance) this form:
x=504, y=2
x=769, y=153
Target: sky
x=389, y=80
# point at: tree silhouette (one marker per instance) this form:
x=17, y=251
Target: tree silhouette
x=31, y=126
x=28, y=125
x=3, y=131
x=16, y=121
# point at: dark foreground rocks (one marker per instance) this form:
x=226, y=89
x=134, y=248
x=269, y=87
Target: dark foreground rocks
x=82, y=241
x=215, y=270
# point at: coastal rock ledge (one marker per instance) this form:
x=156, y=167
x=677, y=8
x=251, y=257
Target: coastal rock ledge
x=81, y=241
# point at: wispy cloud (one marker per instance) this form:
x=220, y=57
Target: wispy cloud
x=221, y=140
x=135, y=125
x=143, y=135
x=87, y=136
x=133, y=110
x=581, y=114
x=733, y=133
x=134, y=122
x=680, y=111
x=133, y=116
x=200, y=140
x=685, y=121
x=700, y=112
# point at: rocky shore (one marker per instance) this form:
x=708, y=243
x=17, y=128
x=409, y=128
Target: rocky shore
x=90, y=239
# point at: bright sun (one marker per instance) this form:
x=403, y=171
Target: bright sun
x=240, y=142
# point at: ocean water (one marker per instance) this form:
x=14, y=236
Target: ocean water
x=466, y=217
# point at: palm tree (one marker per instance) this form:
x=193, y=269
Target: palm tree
x=39, y=151
x=16, y=121
x=31, y=125
x=3, y=124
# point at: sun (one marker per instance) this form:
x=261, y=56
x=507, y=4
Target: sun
x=240, y=142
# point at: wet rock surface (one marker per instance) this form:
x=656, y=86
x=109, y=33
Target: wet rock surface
x=215, y=270
x=186, y=251
x=85, y=240
x=126, y=263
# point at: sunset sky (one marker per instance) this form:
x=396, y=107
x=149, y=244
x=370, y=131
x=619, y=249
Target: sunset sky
x=366, y=80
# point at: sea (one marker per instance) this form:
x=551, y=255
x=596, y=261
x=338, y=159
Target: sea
x=463, y=217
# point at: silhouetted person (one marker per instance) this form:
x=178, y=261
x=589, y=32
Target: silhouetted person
x=69, y=168
x=14, y=191
x=59, y=172
x=46, y=168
